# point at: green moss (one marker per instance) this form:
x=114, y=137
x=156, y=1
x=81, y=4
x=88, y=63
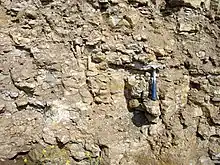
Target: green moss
x=53, y=154
x=92, y=160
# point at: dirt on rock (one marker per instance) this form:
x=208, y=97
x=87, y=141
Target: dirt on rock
x=74, y=88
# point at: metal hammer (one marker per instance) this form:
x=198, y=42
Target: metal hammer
x=154, y=81
x=154, y=69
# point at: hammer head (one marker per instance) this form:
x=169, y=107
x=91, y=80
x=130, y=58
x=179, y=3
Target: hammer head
x=149, y=67
x=157, y=67
x=153, y=67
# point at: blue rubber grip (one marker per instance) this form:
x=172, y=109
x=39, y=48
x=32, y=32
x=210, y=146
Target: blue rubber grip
x=154, y=90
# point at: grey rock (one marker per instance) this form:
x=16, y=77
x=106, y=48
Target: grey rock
x=13, y=94
x=22, y=132
x=137, y=90
x=145, y=58
x=93, y=148
x=132, y=17
x=114, y=58
x=205, y=161
x=103, y=1
x=23, y=101
x=214, y=149
x=31, y=13
x=194, y=3
x=77, y=151
x=126, y=59
x=214, y=80
x=216, y=156
x=156, y=128
x=116, y=83
x=6, y=41
x=137, y=48
x=144, y=2
x=216, y=99
x=67, y=79
x=131, y=81
x=213, y=113
x=205, y=130
x=78, y=41
x=197, y=111
x=86, y=95
x=99, y=57
x=37, y=103
x=187, y=27
x=152, y=107
x=114, y=20
x=49, y=137
x=152, y=119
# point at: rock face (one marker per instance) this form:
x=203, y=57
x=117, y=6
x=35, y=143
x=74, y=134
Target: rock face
x=73, y=89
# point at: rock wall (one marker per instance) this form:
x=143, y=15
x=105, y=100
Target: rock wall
x=73, y=92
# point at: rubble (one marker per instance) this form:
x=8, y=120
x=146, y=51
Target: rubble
x=70, y=94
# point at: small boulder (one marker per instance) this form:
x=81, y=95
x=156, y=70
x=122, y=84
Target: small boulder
x=152, y=107
x=134, y=103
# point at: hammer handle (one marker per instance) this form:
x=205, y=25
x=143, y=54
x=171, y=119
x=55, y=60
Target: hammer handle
x=154, y=87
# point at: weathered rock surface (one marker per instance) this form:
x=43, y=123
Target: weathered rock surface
x=73, y=89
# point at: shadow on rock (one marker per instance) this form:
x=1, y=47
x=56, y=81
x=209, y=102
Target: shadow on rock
x=133, y=105
x=139, y=118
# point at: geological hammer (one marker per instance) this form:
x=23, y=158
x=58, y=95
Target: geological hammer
x=154, y=81
x=154, y=69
